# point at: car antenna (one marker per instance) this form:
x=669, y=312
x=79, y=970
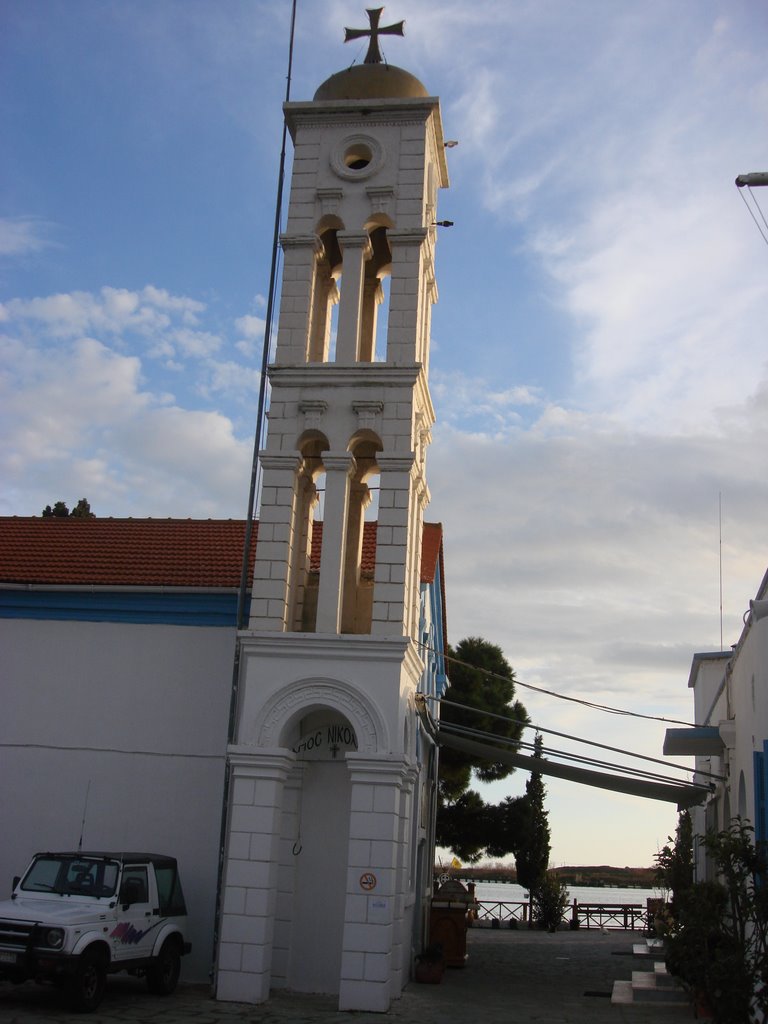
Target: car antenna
x=82, y=824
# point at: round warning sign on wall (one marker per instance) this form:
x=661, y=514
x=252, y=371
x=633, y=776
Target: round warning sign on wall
x=368, y=881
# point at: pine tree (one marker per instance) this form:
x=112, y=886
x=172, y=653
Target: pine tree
x=482, y=680
x=532, y=854
x=82, y=510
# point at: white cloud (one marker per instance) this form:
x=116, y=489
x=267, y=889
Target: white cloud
x=20, y=236
x=111, y=311
x=196, y=343
x=252, y=330
x=620, y=183
x=590, y=553
x=83, y=414
x=250, y=326
x=233, y=379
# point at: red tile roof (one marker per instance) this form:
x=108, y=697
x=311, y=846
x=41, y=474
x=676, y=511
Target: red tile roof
x=151, y=552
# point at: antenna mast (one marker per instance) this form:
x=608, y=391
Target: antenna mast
x=82, y=824
x=720, y=542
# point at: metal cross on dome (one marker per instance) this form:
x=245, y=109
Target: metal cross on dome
x=374, y=53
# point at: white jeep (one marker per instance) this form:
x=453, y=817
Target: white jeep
x=73, y=918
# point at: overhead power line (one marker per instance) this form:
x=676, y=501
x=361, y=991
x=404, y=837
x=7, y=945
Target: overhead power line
x=749, y=181
x=607, y=708
x=565, y=736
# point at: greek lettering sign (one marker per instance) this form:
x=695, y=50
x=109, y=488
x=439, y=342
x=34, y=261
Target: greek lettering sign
x=324, y=738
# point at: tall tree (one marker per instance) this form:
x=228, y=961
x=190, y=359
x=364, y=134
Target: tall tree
x=532, y=854
x=82, y=510
x=483, y=685
x=675, y=861
x=59, y=511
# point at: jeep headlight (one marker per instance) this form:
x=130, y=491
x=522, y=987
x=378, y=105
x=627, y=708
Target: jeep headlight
x=54, y=938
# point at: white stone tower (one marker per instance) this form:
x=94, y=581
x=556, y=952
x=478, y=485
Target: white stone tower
x=326, y=870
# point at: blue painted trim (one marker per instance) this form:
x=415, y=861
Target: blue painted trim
x=147, y=607
x=761, y=793
x=441, y=678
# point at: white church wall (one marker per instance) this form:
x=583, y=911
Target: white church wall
x=132, y=718
x=749, y=700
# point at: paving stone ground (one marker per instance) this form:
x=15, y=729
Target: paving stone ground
x=514, y=977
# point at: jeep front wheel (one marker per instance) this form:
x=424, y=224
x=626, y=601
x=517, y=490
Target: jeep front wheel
x=163, y=975
x=85, y=987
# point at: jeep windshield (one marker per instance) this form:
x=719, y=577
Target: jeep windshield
x=72, y=876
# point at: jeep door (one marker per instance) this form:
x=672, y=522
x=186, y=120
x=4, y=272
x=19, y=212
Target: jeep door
x=137, y=915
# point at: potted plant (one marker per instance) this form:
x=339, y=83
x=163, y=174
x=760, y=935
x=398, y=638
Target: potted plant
x=718, y=942
x=549, y=900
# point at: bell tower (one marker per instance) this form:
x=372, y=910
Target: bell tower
x=324, y=881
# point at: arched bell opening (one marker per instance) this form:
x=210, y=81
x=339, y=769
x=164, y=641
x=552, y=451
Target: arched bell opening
x=325, y=294
x=305, y=570
x=360, y=554
x=375, y=304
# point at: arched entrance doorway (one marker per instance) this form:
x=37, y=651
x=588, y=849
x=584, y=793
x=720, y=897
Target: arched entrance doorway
x=315, y=840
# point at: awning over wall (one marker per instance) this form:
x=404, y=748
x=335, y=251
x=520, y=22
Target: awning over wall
x=704, y=739
x=682, y=794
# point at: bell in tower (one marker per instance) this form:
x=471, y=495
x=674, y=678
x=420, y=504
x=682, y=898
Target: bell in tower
x=329, y=836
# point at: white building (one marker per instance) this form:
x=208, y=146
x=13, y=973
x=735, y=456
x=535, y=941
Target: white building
x=730, y=742
x=117, y=640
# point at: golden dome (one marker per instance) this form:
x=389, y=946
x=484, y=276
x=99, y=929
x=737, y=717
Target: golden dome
x=371, y=82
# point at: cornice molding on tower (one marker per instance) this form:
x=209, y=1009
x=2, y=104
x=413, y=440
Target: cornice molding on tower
x=354, y=375
x=311, y=646
x=282, y=461
x=355, y=240
x=407, y=236
x=435, y=126
x=406, y=110
x=341, y=461
x=399, y=463
x=358, y=375
x=304, y=241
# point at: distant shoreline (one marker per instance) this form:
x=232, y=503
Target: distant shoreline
x=592, y=876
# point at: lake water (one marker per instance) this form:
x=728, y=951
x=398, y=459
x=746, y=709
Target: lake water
x=505, y=892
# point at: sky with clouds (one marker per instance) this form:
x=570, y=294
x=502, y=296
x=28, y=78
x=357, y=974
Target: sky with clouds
x=599, y=365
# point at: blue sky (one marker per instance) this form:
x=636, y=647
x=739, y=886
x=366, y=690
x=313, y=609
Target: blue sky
x=599, y=354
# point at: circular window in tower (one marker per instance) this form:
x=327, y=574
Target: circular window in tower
x=357, y=156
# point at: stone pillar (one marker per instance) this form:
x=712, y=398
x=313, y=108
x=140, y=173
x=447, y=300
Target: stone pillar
x=403, y=915
x=372, y=299
x=325, y=296
x=356, y=247
x=339, y=466
x=269, y=604
x=404, y=292
x=300, y=254
x=306, y=500
x=370, y=920
x=391, y=584
x=244, y=961
x=359, y=499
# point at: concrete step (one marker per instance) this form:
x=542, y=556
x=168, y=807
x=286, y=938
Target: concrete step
x=652, y=949
x=663, y=978
x=626, y=993
x=645, y=989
